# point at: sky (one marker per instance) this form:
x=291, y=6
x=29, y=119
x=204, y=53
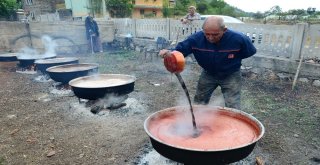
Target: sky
x=265, y=5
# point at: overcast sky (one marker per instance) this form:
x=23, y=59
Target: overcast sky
x=265, y=5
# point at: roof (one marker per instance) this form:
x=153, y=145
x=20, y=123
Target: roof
x=227, y=19
x=147, y=7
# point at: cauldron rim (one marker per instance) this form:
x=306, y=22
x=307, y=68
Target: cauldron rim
x=8, y=57
x=131, y=79
x=252, y=118
x=53, y=60
x=91, y=66
x=9, y=54
x=34, y=58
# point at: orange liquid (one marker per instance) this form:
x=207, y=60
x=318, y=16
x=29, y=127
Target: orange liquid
x=218, y=130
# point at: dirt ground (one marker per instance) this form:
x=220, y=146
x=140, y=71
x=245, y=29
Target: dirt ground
x=39, y=126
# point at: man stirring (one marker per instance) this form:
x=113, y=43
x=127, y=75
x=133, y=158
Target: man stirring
x=219, y=51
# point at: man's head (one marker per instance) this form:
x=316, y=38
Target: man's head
x=192, y=10
x=213, y=28
x=90, y=16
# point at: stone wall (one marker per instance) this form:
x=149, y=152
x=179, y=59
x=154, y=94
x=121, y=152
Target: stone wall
x=69, y=36
x=259, y=65
x=9, y=31
x=285, y=41
x=279, y=47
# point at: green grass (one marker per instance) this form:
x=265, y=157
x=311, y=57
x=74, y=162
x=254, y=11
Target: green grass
x=107, y=61
x=2, y=161
x=285, y=112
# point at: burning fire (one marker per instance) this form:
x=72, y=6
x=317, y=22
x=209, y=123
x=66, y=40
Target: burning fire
x=31, y=69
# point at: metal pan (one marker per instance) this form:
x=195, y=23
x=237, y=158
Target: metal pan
x=43, y=64
x=98, y=86
x=67, y=72
x=27, y=60
x=8, y=57
x=224, y=154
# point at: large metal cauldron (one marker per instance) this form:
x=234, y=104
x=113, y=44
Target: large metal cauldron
x=28, y=60
x=199, y=155
x=98, y=86
x=43, y=64
x=8, y=57
x=67, y=72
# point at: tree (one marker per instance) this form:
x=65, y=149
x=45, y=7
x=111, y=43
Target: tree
x=311, y=11
x=8, y=8
x=119, y=8
x=202, y=7
x=275, y=9
x=165, y=9
x=184, y=3
x=228, y=10
x=297, y=13
x=258, y=15
x=218, y=5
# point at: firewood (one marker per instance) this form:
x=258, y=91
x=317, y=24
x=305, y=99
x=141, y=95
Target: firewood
x=259, y=161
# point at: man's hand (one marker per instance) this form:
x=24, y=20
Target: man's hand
x=164, y=52
x=184, y=21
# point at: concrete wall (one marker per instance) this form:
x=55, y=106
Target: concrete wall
x=9, y=31
x=279, y=46
x=69, y=36
x=285, y=41
x=260, y=63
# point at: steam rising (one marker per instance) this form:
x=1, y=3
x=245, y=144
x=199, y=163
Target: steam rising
x=30, y=53
x=183, y=126
x=110, y=100
x=49, y=45
x=153, y=157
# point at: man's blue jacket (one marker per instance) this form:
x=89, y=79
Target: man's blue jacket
x=219, y=59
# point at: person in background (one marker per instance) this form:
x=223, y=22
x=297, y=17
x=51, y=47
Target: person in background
x=92, y=33
x=187, y=20
x=219, y=51
x=192, y=15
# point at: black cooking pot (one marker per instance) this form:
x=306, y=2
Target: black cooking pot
x=8, y=57
x=67, y=72
x=98, y=86
x=200, y=156
x=27, y=60
x=43, y=64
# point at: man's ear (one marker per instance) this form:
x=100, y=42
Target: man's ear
x=225, y=29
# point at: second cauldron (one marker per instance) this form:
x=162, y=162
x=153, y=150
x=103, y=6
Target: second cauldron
x=67, y=72
x=43, y=64
x=98, y=86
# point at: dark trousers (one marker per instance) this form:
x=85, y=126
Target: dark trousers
x=230, y=87
x=96, y=44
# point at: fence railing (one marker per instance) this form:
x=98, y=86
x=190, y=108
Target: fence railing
x=283, y=41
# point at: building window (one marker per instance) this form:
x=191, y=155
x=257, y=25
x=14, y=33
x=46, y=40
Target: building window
x=29, y=2
x=141, y=12
x=154, y=13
